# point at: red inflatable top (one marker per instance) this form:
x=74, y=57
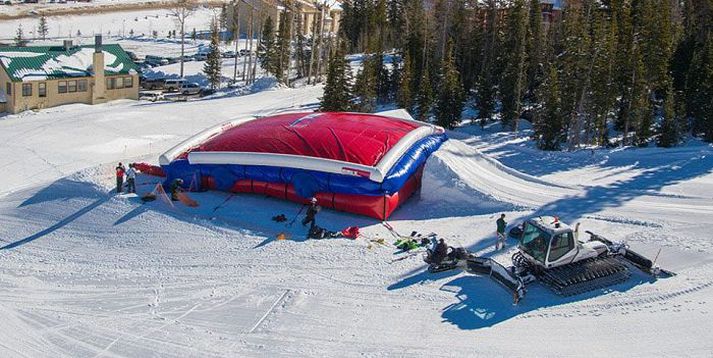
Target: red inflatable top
x=351, y=137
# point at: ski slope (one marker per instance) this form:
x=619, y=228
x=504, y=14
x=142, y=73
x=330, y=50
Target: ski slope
x=85, y=273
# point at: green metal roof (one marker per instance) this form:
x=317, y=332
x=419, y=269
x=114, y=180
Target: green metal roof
x=53, y=62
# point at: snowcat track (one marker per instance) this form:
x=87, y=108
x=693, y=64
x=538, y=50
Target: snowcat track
x=584, y=276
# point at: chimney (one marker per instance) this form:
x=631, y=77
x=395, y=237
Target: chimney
x=99, y=88
x=67, y=45
x=97, y=43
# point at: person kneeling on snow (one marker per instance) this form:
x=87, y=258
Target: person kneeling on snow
x=176, y=188
x=312, y=211
x=440, y=252
x=131, y=179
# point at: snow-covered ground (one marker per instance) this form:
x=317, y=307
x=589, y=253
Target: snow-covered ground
x=82, y=27
x=87, y=273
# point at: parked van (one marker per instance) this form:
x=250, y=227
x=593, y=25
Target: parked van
x=173, y=84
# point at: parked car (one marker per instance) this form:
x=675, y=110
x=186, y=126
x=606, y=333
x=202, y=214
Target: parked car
x=244, y=52
x=153, y=84
x=228, y=54
x=173, y=84
x=132, y=56
x=156, y=60
x=152, y=96
x=200, y=56
x=173, y=59
x=187, y=58
x=190, y=88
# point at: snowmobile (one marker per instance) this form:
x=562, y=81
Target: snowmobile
x=550, y=252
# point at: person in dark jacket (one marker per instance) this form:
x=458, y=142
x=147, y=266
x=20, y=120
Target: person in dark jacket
x=440, y=252
x=312, y=211
x=120, y=170
x=501, y=225
x=175, y=188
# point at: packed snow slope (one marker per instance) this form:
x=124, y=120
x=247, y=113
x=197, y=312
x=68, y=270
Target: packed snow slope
x=85, y=273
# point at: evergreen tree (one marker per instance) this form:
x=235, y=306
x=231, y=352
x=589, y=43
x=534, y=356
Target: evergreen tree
x=700, y=88
x=194, y=35
x=20, y=40
x=266, y=53
x=424, y=98
x=549, y=122
x=487, y=78
x=43, y=28
x=513, y=82
x=534, y=44
x=405, y=96
x=450, y=97
x=282, y=47
x=669, y=131
x=337, y=89
x=212, y=66
x=364, y=90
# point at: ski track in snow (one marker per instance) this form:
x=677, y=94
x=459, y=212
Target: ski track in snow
x=90, y=274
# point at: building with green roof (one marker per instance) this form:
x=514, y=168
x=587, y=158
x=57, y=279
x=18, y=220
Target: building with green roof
x=36, y=77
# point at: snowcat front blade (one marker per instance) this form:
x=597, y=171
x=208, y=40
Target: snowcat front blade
x=498, y=272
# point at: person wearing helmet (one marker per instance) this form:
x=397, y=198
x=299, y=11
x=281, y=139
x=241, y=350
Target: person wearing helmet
x=175, y=188
x=312, y=211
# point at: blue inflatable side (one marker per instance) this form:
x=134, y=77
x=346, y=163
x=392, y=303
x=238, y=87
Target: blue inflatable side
x=308, y=182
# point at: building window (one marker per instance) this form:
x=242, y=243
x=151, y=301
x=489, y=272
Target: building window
x=62, y=87
x=111, y=83
x=9, y=88
x=42, y=89
x=26, y=89
x=128, y=82
x=71, y=86
x=82, y=85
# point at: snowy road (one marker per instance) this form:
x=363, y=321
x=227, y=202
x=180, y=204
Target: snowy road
x=87, y=274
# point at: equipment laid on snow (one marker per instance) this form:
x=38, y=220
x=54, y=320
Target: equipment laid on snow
x=549, y=251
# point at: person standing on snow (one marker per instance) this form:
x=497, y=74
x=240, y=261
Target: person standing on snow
x=131, y=179
x=312, y=211
x=120, y=170
x=501, y=225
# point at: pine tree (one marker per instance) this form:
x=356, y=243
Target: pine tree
x=640, y=114
x=513, y=82
x=282, y=47
x=700, y=88
x=549, y=122
x=450, y=97
x=487, y=78
x=364, y=90
x=424, y=98
x=43, y=28
x=404, y=97
x=194, y=35
x=20, y=37
x=266, y=48
x=669, y=131
x=212, y=67
x=534, y=48
x=337, y=89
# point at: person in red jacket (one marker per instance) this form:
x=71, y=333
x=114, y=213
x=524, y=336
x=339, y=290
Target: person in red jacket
x=120, y=170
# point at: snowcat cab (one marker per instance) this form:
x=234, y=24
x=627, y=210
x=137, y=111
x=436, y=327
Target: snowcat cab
x=547, y=242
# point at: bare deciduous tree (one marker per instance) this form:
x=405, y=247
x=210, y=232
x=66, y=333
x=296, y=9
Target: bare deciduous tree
x=181, y=12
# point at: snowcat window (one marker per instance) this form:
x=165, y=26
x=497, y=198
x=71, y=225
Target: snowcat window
x=561, y=245
x=534, y=242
